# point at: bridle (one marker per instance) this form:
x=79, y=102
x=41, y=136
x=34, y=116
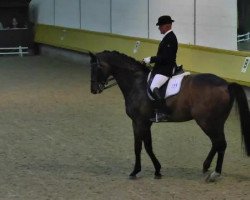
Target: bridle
x=96, y=72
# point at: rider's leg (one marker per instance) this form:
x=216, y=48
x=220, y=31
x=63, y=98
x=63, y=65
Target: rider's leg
x=157, y=82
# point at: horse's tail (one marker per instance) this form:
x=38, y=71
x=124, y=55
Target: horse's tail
x=239, y=94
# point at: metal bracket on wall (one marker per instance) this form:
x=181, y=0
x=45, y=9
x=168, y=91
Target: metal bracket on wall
x=64, y=31
x=245, y=65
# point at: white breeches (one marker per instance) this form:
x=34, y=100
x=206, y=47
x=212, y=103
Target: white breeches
x=158, y=81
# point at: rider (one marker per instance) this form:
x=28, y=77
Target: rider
x=165, y=61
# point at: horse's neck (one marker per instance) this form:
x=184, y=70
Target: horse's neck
x=130, y=83
x=129, y=75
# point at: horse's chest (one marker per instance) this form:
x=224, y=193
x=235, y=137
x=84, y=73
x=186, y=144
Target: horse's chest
x=136, y=108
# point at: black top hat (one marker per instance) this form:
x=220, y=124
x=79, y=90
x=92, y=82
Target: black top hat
x=165, y=19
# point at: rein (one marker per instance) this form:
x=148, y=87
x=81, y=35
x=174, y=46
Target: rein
x=110, y=85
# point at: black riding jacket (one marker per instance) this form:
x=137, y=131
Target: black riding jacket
x=165, y=60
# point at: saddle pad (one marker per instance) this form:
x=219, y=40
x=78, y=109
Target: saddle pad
x=174, y=84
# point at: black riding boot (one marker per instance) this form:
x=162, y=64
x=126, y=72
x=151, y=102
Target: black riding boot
x=160, y=103
x=158, y=98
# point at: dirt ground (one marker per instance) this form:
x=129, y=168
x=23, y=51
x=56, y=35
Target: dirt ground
x=59, y=142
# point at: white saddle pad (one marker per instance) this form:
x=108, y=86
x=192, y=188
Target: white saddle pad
x=174, y=84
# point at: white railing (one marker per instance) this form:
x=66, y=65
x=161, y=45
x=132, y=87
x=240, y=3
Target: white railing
x=243, y=37
x=14, y=50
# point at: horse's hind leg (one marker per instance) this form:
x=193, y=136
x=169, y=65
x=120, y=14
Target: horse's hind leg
x=209, y=159
x=219, y=144
x=216, y=134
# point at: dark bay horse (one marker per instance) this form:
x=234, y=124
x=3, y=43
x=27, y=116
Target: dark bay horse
x=206, y=98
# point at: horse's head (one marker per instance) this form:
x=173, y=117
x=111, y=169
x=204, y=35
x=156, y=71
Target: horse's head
x=99, y=74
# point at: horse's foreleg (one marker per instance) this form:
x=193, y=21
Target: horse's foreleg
x=137, y=149
x=137, y=167
x=149, y=149
x=142, y=133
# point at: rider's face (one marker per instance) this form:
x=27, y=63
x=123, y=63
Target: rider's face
x=164, y=28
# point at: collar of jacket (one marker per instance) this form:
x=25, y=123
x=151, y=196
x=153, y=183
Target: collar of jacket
x=166, y=33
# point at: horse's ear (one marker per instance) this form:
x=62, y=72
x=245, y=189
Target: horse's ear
x=92, y=56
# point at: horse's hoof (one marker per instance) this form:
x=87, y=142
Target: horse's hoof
x=132, y=177
x=213, y=177
x=158, y=176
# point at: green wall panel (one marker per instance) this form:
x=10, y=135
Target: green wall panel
x=224, y=63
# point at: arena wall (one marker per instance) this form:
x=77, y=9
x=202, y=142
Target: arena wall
x=225, y=63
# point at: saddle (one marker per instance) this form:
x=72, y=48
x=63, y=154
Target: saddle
x=172, y=86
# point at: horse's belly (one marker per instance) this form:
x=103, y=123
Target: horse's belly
x=180, y=116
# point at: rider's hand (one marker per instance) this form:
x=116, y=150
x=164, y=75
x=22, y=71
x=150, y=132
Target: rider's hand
x=146, y=60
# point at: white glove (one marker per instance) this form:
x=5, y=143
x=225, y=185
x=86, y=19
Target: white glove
x=147, y=60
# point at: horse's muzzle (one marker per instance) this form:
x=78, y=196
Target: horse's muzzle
x=94, y=91
x=96, y=88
